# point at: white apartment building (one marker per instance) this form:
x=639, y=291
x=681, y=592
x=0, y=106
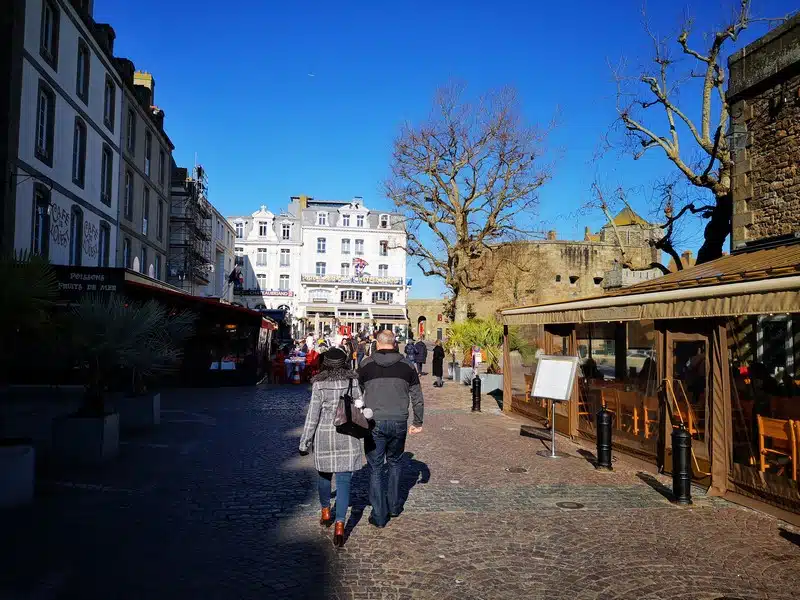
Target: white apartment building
x=67, y=174
x=222, y=253
x=353, y=269
x=268, y=248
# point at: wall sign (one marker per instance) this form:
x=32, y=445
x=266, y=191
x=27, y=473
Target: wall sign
x=75, y=283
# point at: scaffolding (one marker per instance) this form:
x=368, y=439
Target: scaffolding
x=190, y=264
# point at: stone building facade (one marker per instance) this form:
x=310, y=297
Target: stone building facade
x=764, y=96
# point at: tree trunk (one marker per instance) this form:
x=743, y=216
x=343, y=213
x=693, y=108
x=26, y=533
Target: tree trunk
x=717, y=229
x=462, y=307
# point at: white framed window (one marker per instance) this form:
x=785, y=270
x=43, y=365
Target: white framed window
x=285, y=257
x=126, y=253
x=382, y=297
x=319, y=295
x=109, y=103
x=79, y=153
x=346, y=246
x=104, y=245
x=359, y=246
x=345, y=270
x=384, y=221
x=145, y=209
x=351, y=296
x=130, y=131
x=48, y=35
x=143, y=259
x=383, y=246
x=261, y=280
x=76, y=236
x=148, y=152
x=359, y=220
x=284, y=282
x=321, y=268
x=158, y=267
x=286, y=231
x=322, y=218
x=261, y=257
x=82, y=78
x=345, y=220
x=383, y=270
x=238, y=252
x=321, y=243
x=239, y=227
x=106, y=175
x=262, y=229
x=45, y=124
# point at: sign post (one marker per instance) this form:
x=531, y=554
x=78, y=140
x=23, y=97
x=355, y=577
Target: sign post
x=555, y=376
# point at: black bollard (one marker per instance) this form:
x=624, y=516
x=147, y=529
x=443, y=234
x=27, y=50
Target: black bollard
x=476, y=394
x=604, y=421
x=681, y=465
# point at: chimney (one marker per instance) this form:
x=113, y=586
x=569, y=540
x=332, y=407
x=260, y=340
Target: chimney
x=586, y=233
x=686, y=257
x=551, y=235
x=145, y=80
x=126, y=69
x=158, y=117
x=105, y=36
x=84, y=8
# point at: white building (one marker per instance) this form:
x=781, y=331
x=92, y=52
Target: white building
x=67, y=174
x=222, y=253
x=267, y=248
x=353, y=269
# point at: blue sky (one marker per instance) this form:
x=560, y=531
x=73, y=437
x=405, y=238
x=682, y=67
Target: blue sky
x=234, y=81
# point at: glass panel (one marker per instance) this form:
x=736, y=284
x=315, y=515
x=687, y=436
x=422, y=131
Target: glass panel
x=524, y=342
x=690, y=370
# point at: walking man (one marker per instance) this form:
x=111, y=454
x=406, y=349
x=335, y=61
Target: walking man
x=422, y=354
x=389, y=382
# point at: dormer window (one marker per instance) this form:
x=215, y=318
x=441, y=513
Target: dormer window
x=359, y=220
x=286, y=231
x=345, y=220
x=262, y=229
x=239, y=230
x=384, y=221
x=322, y=218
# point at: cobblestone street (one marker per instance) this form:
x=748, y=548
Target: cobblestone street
x=217, y=503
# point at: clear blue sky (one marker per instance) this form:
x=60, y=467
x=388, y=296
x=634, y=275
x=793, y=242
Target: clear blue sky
x=234, y=81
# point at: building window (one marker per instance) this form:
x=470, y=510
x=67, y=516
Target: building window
x=286, y=231
x=82, y=77
x=160, y=221
x=359, y=246
x=345, y=220
x=45, y=123
x=143, y=258
x=322, y=218
x=109, y=103
x=239, y=230
x=284, y=282
x=319, y=295
x=79, y=153
x=162, y=167
x=382, y=297
x=321, y=269
x=48, y=36
x=285, y=257
x=106, y=173
x=320, y=245
x=345, y=246
x=261, y=257
x=75, y=236
x=558, y=278
x=359, y=220
x=130, y=131
x=158, y=266
x=262, y=229
x=145, y=210
x=383, y=270
x=573, y=279
x=129, y=195
x=148, y=151
x=384, y=248
x=261, y=280
x=104, y=245
x=126, y=253
x=351, y=296
x=41, y=220
x=238, y=252
x=598, y=280
x=345, y=270
x=384, y=221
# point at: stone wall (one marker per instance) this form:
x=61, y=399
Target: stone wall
x=431, y=310
x=764, y=94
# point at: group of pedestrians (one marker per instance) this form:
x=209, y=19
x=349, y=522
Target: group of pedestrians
x=385, y=383
x=417, y=355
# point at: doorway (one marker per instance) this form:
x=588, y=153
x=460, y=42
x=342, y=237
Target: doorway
x=689, y=390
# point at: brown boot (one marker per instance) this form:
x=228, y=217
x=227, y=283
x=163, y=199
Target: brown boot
x=338, y=534
x=325, y=518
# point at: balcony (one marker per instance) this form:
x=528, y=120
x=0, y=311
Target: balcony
x=366, y=280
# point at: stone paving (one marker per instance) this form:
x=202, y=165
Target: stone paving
x=217, y=503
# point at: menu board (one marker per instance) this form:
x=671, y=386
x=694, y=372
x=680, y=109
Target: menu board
x=554, y=377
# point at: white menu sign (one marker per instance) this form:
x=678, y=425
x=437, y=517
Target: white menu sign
x=554, y=377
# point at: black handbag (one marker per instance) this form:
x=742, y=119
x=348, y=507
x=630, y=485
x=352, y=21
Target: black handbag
x=348, y=420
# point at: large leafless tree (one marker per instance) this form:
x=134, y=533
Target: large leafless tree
x=467, y=180
x=654, y=115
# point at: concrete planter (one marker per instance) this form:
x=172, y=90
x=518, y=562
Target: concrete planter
x=139, y=412
x=491, y=383
x=86, y=440
x=17, y=472
x=454, y=372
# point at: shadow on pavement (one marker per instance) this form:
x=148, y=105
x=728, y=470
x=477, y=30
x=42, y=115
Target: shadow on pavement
x=537, y=433
x=656, y=485
x=790, y=536
x=589, y=456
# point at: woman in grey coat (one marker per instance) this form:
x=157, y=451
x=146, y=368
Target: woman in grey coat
x=334, y=452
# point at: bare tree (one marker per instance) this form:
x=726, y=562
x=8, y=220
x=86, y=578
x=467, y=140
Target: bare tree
x=706, y=161
x=467, y=181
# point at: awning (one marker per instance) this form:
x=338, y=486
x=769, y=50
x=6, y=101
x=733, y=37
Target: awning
x=389, y=313
x=751, y=283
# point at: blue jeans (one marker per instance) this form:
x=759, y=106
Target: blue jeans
x=387, y=443
x=342, y=492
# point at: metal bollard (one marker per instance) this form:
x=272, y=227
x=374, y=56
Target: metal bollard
x=604, y=422
x=476, y=394
x=681, y=465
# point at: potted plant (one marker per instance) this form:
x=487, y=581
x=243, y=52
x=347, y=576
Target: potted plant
x=27, y=294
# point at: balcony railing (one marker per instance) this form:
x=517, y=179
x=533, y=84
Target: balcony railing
x=365, y=280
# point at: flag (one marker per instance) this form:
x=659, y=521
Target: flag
x=236, y=275
x=359, y=264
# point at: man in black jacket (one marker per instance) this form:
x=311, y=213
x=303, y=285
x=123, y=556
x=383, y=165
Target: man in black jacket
x=389, y=383
x=422, y=354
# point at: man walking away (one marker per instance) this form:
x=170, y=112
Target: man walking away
x=422, y=354
x=389, y=383
x=411, y=353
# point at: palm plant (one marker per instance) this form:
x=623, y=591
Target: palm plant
x=488, y=335
x=112, y=334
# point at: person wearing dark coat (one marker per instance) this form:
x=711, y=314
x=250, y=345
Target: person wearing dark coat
x=411, y=353
x=438, y=363
x=422, y=354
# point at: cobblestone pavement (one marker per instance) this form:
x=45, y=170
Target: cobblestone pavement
x=216, y=503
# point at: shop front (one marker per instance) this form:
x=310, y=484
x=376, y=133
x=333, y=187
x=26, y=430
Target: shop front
x=715, y=347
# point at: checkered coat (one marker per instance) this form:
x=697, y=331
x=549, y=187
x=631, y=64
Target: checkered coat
x=333, y=452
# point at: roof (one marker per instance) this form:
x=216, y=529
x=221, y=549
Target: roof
x=628, y=217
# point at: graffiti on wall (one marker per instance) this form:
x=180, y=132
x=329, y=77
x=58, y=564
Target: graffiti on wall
x=59, y=225
x=91, y=239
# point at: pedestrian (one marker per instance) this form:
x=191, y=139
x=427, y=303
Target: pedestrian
x=352, y=347
x=438, y=363
x=361, y=352
x=373, y=345
x=422, y=354
x=411, y=352
x=334, y=452
x=389, y=384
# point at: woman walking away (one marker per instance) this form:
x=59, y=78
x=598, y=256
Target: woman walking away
x=411, y=353
x=438, y=363
x=334, y=452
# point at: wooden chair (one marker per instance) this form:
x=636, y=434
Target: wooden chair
x=782, y=431
x=629, y=409
x=528, y=386
x=650, y=416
